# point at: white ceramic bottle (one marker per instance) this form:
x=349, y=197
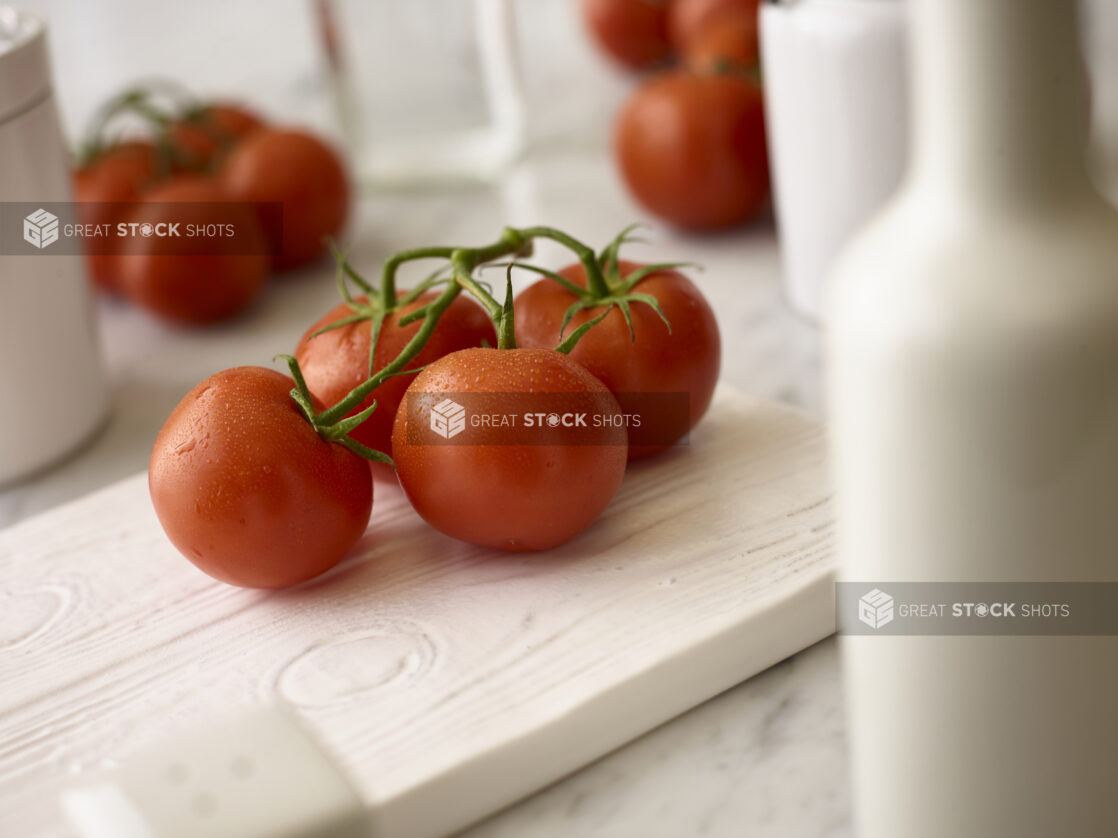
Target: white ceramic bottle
x=973, y=383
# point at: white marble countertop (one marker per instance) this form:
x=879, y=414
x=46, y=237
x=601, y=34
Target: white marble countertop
x=764, y=759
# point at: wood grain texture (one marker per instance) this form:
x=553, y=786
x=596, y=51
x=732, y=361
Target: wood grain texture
x=448, y=680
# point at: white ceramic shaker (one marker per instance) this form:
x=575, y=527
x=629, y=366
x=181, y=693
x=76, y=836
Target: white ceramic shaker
x=836, y=114
x=972, y=356
x=53, y=390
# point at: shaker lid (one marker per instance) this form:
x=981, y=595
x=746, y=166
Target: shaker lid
x=24, y=71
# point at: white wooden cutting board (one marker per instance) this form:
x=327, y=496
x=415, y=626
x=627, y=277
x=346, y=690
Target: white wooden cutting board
x=447, y=680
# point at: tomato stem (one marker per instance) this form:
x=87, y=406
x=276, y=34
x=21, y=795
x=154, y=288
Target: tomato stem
x=492, y=307
x=413, y=347
x=463, y=262
x=331, y=431
x=158, y=102
x=506, y=326
x=595, y=281
x=393, y=263
x=512, y=242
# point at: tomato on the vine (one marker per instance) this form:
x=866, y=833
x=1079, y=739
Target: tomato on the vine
x=684, y=359
x=525, y=496
x=302, y=177
x=336, y=361
x=261, y=482
x=192, y=278
x=248, y=491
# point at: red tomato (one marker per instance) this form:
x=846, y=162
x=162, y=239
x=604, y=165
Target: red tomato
x=304, y=177
x=124, y=169
x=686, y=360
x=248, y=491
x=117, y=176
x=692, y=149
x=511, y=497
x=193, y=279
x=727, y=42
x=215, y=128
x=338, y=360
x=635, y=32
x=232, y=121
x=687, y=18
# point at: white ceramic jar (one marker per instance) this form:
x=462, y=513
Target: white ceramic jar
x=972, y=355
x=52, y=384
x=835, y=110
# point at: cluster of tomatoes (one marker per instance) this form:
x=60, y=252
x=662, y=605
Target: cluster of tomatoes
x=690, y=141
x=189, y=219
x=264, y=480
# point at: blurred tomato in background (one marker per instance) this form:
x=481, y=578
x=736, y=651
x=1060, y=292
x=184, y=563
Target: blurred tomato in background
x=634, y=32
x=725, y=43
x=692, y=150
x=688, y=20
x=690, y=142
x=193, y=279
x=118, y=175
x=305, y=177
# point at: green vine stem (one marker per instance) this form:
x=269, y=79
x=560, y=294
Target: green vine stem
x=158, y=103
x=431, y=314
x=137, y=100
x=605, y=287
x=595, y=281
x=463, y=262
x=393, y=263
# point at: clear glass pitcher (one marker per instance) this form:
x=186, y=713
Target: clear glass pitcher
x=427, y=91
